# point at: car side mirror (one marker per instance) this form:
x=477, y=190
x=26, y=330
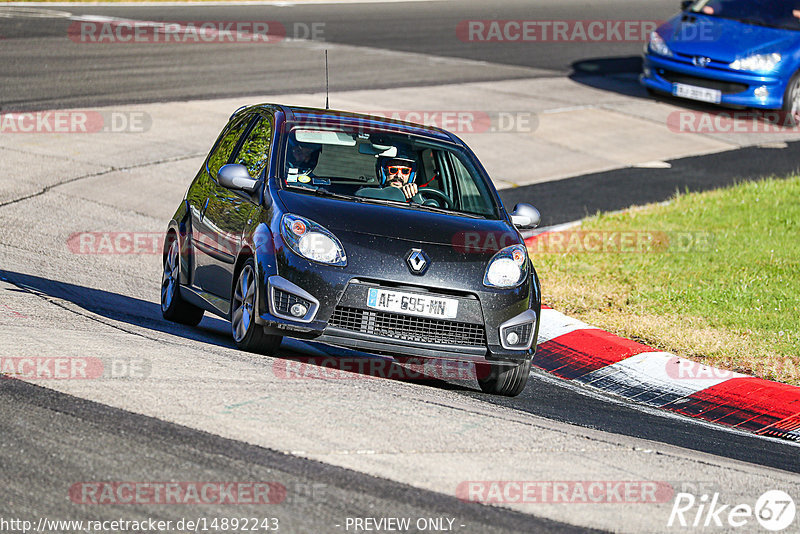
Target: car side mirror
x=235, y=176
x=685, y=4
x=525, y=217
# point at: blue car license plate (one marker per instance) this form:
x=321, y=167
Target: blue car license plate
x=697, y=93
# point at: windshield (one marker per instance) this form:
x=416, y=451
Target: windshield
x=381, y=166
x=771, y=13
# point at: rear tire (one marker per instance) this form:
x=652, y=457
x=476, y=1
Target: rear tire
x=507, y=380
x=173, y=307
x=247, y=334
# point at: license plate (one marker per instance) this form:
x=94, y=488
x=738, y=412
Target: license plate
x=412, y=303
x=697, y=93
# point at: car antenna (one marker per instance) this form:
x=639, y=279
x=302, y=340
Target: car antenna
x=327, y=106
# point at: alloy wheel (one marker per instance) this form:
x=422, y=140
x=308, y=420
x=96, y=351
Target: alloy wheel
x=169, y=280
x=243, y=303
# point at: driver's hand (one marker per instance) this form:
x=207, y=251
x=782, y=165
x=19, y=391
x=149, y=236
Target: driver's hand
x=409, y=190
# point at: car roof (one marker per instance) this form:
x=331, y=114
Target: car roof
x=335, y=116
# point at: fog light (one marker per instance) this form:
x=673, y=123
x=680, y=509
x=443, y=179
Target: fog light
x=512, y=338
x=298, y=310
x=761, y=92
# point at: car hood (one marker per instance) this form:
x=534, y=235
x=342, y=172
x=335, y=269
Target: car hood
x=724, y=39
x=416, y=226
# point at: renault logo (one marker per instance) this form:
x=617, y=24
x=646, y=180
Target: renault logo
x=417, y=261
x=700, y=61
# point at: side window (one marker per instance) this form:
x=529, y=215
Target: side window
x=222, y=152
x=474, y=196
x=254, y=153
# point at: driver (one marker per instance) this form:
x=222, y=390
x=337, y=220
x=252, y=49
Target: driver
x=396, y=175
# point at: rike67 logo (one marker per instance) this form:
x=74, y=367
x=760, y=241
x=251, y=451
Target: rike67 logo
x=774, y=510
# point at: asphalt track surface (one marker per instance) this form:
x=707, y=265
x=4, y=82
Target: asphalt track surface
x=41, y=71
x=49, y=440
x=571, y=199
x=69, y=434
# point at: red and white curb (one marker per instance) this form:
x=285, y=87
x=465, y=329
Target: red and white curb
x=573, y=350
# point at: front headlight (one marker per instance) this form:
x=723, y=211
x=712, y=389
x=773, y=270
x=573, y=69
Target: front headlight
x=508, y=268
x=658, y=46
x=757, y=62
x=312, y=241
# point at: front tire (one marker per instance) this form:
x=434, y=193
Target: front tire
x=791, y=101
x=173, y=307
x=247, y=334
x=506, y=380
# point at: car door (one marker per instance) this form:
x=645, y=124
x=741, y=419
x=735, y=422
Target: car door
x=229, y=211
x=202, y=196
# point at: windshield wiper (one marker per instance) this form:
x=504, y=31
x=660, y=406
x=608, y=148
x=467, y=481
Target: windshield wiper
x=331, y=194
x=442, y=210
x=323, y=193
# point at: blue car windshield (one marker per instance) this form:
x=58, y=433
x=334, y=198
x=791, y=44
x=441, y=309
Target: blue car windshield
x=385, y=166
x=784, y=14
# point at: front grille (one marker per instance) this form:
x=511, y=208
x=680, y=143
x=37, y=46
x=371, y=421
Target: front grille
x=725, y=87
x=408, y=328
x=283, y=301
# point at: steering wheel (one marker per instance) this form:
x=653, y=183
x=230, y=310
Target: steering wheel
x=437, y=195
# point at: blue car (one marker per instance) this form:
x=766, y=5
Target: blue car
x=732, y=52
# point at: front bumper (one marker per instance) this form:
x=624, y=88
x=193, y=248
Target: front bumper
x=738, y=88
x=338, y=315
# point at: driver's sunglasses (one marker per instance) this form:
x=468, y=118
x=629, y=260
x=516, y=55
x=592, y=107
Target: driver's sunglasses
x=396, y=169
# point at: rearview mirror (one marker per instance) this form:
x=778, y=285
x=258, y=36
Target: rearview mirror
x=525, y=217
x=373, y=150
x=235, y=176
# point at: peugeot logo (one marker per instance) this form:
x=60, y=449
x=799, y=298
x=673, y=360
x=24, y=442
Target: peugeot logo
x=700, y=61
x=417, y=261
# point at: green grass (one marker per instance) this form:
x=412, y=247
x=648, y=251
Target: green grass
x=731, y=301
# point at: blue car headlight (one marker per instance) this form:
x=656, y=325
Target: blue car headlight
x=312, y=240
x=508, y=268
x=658, y=46
x=757, y=62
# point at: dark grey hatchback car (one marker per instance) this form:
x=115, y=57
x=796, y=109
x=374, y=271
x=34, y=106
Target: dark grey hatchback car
x=359, y=232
